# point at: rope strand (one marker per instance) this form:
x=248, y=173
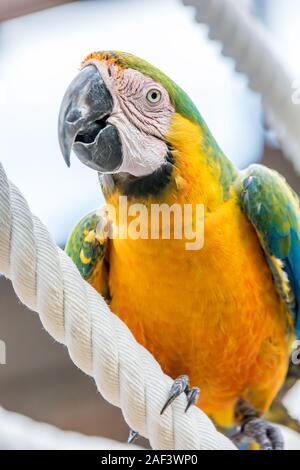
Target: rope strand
x=99, y=343
x=248, y=43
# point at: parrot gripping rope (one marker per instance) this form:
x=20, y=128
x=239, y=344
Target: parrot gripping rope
x=251, y=47
x=99, y=343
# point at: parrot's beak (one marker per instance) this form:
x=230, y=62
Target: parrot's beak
x=83, y=125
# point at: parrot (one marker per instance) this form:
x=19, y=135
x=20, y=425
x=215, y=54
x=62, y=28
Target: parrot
x=221, y=319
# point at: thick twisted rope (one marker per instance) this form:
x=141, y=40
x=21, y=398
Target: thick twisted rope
x=99, y=343
x=251, y=47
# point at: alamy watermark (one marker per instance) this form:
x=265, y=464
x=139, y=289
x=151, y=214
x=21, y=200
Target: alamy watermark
x=153, y=221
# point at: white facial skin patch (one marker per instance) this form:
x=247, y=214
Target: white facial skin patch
x=142, y=113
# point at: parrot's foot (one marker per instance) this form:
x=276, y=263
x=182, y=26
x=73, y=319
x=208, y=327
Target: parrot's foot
x=256, y=429
x=267, y=435
x=133, y=435
x=182, y=385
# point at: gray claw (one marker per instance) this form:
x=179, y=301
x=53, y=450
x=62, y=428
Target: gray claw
x=254, y=428
x=133, y=435
x=192, y=397
x=267, y=435
x=181, y=385
x=276, y=437
x=178, y=387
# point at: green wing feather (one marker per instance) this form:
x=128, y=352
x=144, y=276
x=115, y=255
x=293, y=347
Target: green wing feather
x=86, y=245
x=274, y=210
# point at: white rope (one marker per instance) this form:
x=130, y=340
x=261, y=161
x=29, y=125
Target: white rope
x=99, y=343
x=246, y=41
x=18, y=432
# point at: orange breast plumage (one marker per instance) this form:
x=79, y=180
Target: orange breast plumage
x=213, y=314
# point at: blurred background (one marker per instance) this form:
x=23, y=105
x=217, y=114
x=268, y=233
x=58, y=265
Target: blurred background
x=42, y=43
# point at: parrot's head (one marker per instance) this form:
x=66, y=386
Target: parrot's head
x=124, y=117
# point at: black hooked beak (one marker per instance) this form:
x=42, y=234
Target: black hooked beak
x=83, y=125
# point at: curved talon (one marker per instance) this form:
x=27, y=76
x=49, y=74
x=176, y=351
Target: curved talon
x=192, y=397
x=181, y=385
x=264, y=433
x=276, y=437
x=254, y=428
x=133, y=435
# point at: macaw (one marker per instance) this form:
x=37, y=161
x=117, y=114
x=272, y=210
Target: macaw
x=222, y=318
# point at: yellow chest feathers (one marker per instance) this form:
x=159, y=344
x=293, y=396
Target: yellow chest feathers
x=212, y=313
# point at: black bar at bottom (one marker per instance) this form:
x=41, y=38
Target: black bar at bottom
x=134, y=459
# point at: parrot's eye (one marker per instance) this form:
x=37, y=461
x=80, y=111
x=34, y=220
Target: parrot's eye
x=153, y=96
